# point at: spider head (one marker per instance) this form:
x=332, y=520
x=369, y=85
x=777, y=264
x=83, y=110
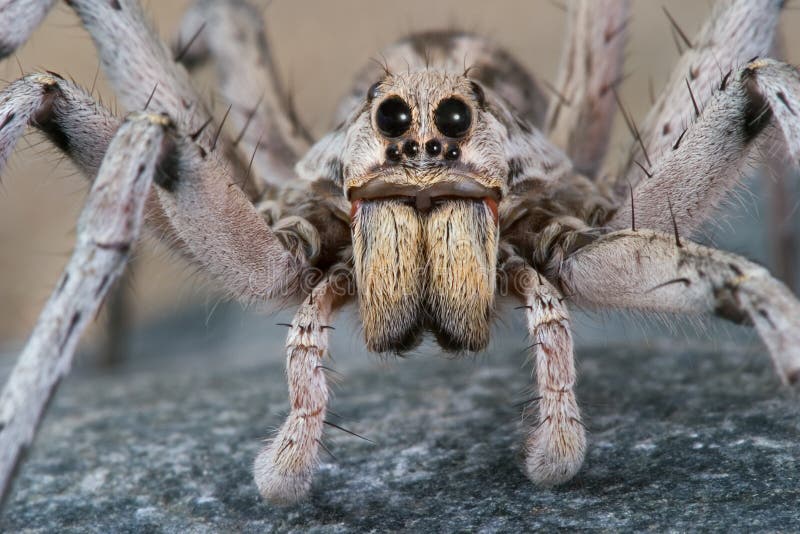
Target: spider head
x=424, y=169
x=423, y=138
x=424, y=162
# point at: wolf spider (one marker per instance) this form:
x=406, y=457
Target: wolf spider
x=450, y=180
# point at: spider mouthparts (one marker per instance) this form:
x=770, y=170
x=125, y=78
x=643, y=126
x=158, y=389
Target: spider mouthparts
x=425, y=198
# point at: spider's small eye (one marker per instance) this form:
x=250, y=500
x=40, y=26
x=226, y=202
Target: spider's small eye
x=393, y=117
x=453, y=117
x=373, y=91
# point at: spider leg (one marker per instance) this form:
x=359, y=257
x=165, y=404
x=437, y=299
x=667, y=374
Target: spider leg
x=144, y=75
x=232, y=33
x=736, y=32
x=581, y=113
x=197, y=204
x=18, y=19
x=650, y=271
x=284, y=468
x=64, y=112
x=705, y=164
x=140, y=66
x=107, y=230
x=555, y=446
x=72, y=120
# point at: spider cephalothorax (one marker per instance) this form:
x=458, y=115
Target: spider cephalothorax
x=428, y=156
x=450, y=181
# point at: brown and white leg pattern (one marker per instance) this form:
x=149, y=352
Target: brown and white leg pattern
x=651, y=271
x=107, y=230
x=555, y=446
x=707, y=160
x=232, y=34
x=581, y=114
x=284, y=469
x=736, y=32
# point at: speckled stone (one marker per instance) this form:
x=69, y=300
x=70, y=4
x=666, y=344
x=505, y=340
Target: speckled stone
x=681, y=439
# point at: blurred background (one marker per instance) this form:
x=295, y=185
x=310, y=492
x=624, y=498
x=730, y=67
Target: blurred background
x=318, y=46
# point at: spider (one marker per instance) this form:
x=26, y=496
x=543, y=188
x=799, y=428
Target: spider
x=451, y=182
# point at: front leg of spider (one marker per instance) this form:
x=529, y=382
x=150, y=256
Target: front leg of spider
x=284, y=468
x=555, y=444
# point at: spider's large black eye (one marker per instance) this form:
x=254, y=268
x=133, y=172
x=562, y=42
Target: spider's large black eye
x=393, y=117
x=453, y=117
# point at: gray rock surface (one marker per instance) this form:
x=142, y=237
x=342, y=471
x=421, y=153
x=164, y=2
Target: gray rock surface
x=681, y=438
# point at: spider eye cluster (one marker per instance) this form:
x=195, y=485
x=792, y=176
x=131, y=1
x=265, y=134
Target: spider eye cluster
x=393, y=117
x=453, y=117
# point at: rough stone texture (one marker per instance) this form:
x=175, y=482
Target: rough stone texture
x=681, y=439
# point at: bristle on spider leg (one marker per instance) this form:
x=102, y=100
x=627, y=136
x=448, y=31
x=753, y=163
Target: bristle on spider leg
x=678, y=29
x=184, y=49
x=694, y=101
x=674, y=224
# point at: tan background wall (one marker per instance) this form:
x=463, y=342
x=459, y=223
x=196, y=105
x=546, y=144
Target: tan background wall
x=319, y=45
